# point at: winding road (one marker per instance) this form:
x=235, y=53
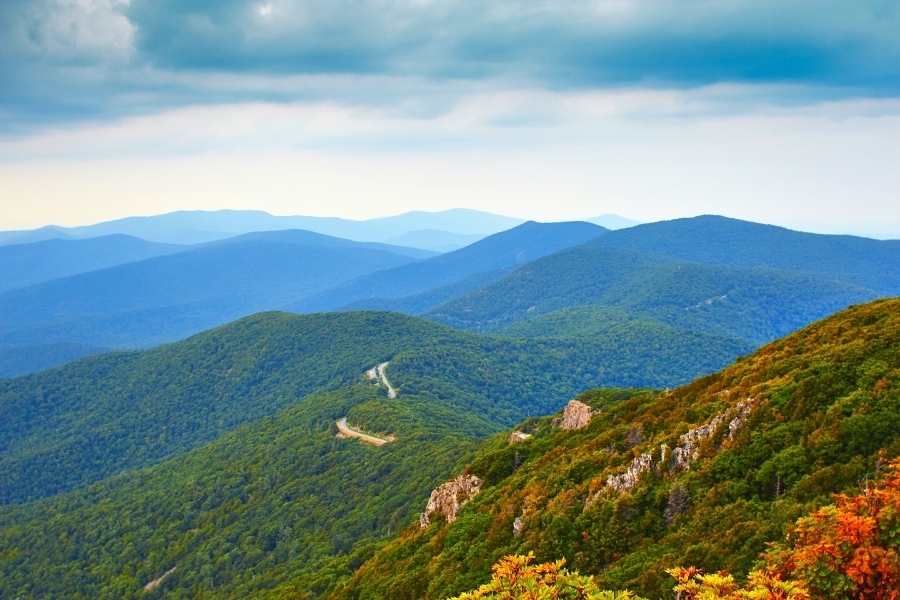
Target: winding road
x=378, y=373
x=345, y=429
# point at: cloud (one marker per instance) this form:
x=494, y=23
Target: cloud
x=502, y=119
x=641, y=153
x=86, y=59
x=558, y=42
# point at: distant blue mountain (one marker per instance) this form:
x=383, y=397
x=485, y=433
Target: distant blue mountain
x=299, y=237
x=29, y=263
x=166, y=298
x=613, y=222
x=15, y=362
x=494, y=255
x=50, y=232
x=436, y=239
x=191, y=227
x=753, y=304
x=716, y=240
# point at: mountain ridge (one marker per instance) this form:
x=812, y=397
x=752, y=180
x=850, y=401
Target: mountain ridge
x=200, y=226
x=706, y=474
x=518, y=245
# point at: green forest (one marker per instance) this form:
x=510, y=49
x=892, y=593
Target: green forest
x=76, y=424
x=753, y=304
x=262, y=499
x=826, y=414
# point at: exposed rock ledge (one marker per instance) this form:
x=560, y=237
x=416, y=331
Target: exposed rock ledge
x=626, y=481
x=689, y=448
x=575, y=416
x=448, y=498
x=517, y=436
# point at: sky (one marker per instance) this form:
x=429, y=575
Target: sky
x=775, y=111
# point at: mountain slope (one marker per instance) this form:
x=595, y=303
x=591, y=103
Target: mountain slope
x=757, y=305
x=22, y=265
x=281, y=501
x=436, y=239
x=170, y=297
x=69, y=426
x=718, y=240
x=281, y=508
x=302, y=237
x=502, y=250
x=747, y=451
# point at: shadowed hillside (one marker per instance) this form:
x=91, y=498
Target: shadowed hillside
x=491, y=255
x=757, y=305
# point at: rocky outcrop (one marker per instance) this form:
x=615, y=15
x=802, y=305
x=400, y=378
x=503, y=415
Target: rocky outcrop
x=688, y=448
x=627, y=480
x=518, y=525
x=518, y=436
x=576, y=415
x=448, y=498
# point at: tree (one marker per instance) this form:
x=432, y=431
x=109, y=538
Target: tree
x=849, y=549
x=515, y=579
x=761, y=585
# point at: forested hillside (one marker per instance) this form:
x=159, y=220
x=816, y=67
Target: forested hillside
x=716, y=240
x=211, y=467
x=281, y=508
x=278, y=508
x=757, y=305
x=703, y=475
x=503, y=250
x=72, y=425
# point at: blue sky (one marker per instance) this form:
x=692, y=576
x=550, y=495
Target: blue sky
x=775, y=111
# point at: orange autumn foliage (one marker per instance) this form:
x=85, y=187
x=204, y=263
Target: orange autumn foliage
x=850, y=549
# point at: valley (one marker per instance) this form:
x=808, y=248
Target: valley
x=277, y=454
x=416, y=300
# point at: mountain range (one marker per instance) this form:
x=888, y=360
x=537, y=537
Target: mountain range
x=275, y=505
x=745, y=281
x=444, y=229
x=440, y=231
x=718, y=380
x=166, y=298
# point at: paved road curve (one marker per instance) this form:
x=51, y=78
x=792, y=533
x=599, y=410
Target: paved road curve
x=345, y=429
x=377, y=372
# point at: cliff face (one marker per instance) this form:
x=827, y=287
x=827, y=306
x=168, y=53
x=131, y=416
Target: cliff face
x=576, y=415
x=448, y=498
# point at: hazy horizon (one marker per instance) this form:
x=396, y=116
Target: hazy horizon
x=775, y=112
x=802, y=226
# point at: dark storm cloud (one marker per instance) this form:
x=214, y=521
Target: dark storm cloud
x=77, y=58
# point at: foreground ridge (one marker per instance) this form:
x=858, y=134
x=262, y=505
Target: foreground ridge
x=708, y=474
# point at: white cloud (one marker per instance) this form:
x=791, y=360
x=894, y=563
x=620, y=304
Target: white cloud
x=531, y=153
